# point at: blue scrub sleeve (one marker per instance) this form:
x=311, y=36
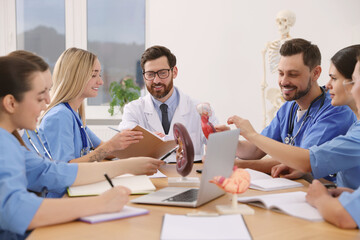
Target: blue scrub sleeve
x=53, y=175
x=351, y=203
x=57, y=128
x=18, y=206
x=329, y=124
x=273, y=130
x=341, y=153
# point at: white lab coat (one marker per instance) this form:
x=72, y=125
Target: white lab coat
x=142, y=112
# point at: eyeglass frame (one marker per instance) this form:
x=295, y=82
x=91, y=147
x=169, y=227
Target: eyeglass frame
x=348, y=83
x=157, y=73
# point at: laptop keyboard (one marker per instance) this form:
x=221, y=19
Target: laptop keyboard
x=187, y=196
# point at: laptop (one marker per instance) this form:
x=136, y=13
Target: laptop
x=220, y=156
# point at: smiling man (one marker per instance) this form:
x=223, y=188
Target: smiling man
x=307, y=118
x=166, y=104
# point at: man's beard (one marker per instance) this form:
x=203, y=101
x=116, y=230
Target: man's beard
x=298, y=94
x=163, y=93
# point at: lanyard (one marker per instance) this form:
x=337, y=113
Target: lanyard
x=84, y=136
x=34, y=146
x=290, y=139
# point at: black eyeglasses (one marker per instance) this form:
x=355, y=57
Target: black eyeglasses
x=162, y=73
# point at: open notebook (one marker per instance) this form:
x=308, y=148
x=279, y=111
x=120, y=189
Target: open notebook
x=292, y=203
x=140, y=184
x=264, y=182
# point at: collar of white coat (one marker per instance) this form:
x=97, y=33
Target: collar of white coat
x=182, y=109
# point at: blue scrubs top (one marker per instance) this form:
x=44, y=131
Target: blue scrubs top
x=61, y=133
x=340, y=155
x=322, y=124
x=21, y=170
x=63, y=175
x=351, y=203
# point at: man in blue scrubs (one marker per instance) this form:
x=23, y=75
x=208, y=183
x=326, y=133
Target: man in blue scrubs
x=307, y=118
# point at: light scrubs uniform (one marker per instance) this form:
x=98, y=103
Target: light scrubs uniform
x=340, y=155
x=21, y=170
x=351, y=203
x=61, y=134
x=62, y=172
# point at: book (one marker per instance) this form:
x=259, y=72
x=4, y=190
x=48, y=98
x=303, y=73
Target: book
x=264, y=182
x=220, y=227
x=291, y=203
x=140, y=184
x=126, y=212
x=150, y=146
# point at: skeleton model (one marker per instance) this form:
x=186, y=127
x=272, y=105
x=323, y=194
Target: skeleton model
x=284, y=20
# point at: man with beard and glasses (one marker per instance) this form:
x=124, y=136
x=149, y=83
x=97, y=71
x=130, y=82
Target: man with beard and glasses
x=307, y=117
x=166, y=104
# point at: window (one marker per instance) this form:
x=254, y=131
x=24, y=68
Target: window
x=40, y=28
x=116, y=34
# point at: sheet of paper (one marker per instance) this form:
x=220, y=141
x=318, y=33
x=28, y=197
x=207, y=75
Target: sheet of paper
x=172, y=158
x=228, y=227
x=158, y=174
x=126, y=212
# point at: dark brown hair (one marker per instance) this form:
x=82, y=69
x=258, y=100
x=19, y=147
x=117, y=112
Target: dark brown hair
x=30, y=57
x=345, y=60
x=15, y=76
x=156, y=52
x=311, y=53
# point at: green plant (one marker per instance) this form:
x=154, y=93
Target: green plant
x=122, y=93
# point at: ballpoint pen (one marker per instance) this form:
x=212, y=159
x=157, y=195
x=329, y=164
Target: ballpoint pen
x=114, y=129
x=109, y=180
x=169, y=153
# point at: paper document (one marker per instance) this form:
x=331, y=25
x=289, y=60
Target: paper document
x=292, y=203
x=137, y=184
x=124, y=213
x=264, y=182
x=150, y=146
x=158, y=174
x=221, y=227
x=172, y=158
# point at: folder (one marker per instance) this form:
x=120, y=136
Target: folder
x=150, y=146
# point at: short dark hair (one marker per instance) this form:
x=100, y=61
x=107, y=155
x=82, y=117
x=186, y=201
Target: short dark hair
x=35, y=59
x=345, y=60
x=156, y=52
x=311, y=52
x=15, y=76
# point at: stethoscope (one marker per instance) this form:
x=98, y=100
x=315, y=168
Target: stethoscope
x=290, y=139
x=84, y=136
x=34, y=146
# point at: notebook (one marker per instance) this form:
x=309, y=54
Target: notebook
x=140, y=184
x=220, y=157
x=292, y=203
x=223, y=227
x=264, y=182
x=126, y=212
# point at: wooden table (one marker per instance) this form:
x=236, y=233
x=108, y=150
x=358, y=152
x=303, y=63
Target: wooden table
x=264, y=224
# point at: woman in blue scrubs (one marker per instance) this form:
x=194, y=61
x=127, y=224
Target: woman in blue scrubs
x=77, y=76
x=22, y=98
x=342, y=154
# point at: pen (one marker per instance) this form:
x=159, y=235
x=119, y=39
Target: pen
x=114, y=129
x=109, y=180
x=169, y=153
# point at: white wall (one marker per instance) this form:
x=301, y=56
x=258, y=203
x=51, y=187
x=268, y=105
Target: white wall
x=218, y=44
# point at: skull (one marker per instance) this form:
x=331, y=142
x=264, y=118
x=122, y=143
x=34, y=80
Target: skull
x=285, y=19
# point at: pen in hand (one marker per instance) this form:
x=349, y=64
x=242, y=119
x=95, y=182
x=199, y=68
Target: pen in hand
x=114, y=129
x=109, y=180
x=169, y=153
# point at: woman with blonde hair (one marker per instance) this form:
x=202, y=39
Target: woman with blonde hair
x=77, y=76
